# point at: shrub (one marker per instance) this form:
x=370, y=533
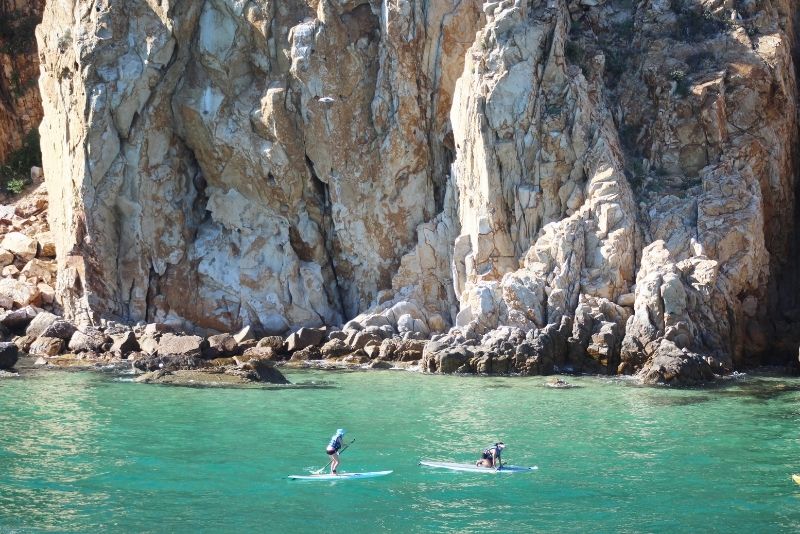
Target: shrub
x=681, y=82
x=574, y=52
x=15, y=173
x=15, y=185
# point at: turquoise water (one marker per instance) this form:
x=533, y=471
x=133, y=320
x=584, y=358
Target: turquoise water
x=82, y=452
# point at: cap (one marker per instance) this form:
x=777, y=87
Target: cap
x=340, y=431
x=501, y=445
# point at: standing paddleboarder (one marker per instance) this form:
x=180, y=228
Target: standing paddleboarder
x=333, y=449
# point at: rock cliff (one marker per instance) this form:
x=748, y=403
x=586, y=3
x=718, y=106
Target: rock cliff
x=20, y=104
x=604, y=186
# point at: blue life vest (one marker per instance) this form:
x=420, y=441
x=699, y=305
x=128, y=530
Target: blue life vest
x=336, y=443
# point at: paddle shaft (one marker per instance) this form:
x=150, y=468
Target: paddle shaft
x=329, y=463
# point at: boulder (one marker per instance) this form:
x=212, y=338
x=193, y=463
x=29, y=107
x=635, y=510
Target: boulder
x=18, y=292
x=153, y=329
x=337, y=334
x=353, y=325
x=439, y=357
x=673, y=366
x=261, y=353
x=18, y=320
x=40, y=323
x=407, y=323
x=221, y=345
x=10, y=271
x=357, y=340
x=334, y=348
x=409, y=350
x=47, y=247
x=303, y=338
x=308, y=353
x=380, y=364
x=244, y=334
x=177, y=345
x=148, y=344
x=123, y=344
x=274, y=342
x=264, y=371
x=436, y=323
x=376, y=320
x=9, y=354
x=89, y=339
x=59, y=328
x=22, y=246
x=42, y=271
x=48, y=294
x=24, y=343
x=6, y=258
x=47, y=346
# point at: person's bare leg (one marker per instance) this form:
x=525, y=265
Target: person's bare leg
x=335, y=463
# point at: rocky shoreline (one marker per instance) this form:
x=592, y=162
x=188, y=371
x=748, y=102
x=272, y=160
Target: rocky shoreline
x=400, y=336
x=157, y=354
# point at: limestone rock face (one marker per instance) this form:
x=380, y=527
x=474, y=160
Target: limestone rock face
x=270, y=161
x=536, y=184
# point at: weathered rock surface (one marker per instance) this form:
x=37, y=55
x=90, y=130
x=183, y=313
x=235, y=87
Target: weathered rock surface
x=178, y=345
x=20, y=103
x=88, y=339
x=537, y=185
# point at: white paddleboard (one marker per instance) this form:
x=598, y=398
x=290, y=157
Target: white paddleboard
x=472, y=468
x=341, y=476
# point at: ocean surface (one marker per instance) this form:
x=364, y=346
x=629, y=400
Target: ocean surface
x=88, y=452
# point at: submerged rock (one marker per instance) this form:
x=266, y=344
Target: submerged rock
x=9, y=354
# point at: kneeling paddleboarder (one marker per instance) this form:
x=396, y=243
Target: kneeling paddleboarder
x=490, y=457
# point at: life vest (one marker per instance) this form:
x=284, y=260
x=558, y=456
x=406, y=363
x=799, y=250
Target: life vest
x=487, y=452
x=335, y=443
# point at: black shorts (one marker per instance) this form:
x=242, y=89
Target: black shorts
x=331, y=451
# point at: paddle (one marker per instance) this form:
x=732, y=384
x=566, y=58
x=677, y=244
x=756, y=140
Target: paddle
x=318, y=471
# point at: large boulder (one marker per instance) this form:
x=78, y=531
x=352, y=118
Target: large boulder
x=22, y=246
x=677, y=367
x=8, y=355
x=308, y=353
x=263, y=371
x=40, y=323
x=177, y=345
x=39, y=270
x=18, y=320
x=59, y=328
x=334, y=348
x=123, y=344
x=305, y=337
x=220, y=346
x=47, y=346
x=6, y=258
x=153, y=329
x=89, y=339
x=274, y=342
x=244, y=334
x=261, y=353
x=19, y=293
x=440, y=357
